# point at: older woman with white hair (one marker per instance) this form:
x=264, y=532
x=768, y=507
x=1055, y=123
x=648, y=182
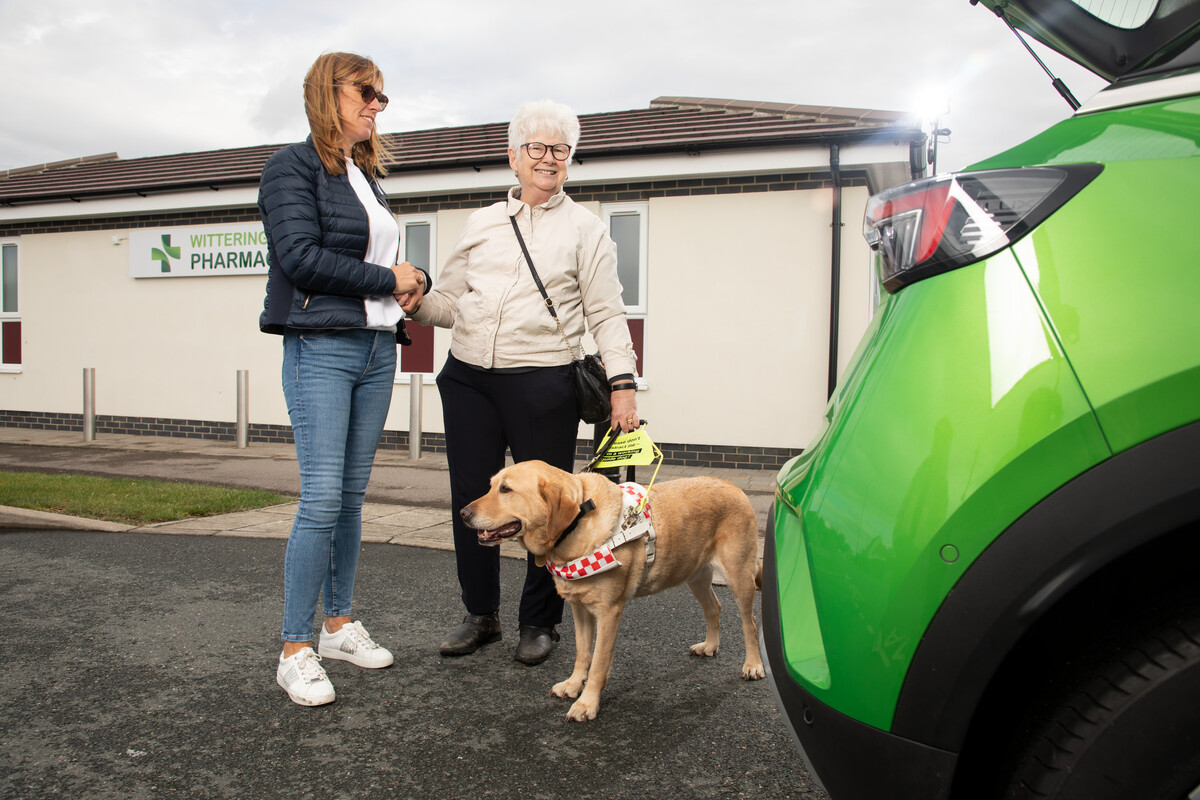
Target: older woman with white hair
x=506, y=381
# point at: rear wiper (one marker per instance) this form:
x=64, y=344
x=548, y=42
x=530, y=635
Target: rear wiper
x=1057, y=83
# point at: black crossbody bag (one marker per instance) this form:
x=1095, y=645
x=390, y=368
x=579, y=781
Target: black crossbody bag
x=592, y=392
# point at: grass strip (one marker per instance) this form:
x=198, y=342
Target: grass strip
x=126, y=500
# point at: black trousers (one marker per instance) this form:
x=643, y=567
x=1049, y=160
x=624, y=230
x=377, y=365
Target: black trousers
x=534, y=415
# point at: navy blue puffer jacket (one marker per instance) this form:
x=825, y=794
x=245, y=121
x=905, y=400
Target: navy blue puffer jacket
x=317, y=233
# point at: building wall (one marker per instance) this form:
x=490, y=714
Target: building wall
x=167, y=347
x=737, y=323
x=736, y=337
x=859, y=286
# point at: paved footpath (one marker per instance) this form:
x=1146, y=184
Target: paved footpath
x=408, y=501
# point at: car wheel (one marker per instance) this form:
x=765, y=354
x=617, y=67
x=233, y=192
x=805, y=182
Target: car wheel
x=1125, y=721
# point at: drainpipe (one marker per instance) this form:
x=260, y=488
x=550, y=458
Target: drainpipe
x=835, y=267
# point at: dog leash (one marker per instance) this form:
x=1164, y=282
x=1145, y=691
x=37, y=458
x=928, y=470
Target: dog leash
x=638, y=449
x=605, y=445
x=588, y=505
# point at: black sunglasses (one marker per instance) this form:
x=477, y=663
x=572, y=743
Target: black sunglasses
x=369, y=95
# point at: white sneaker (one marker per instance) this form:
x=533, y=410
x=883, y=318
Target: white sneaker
x=352, y=643
x=304, y=679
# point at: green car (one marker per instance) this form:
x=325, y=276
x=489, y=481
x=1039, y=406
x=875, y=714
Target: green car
x=982, y=578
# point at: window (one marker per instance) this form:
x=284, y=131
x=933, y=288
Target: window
x=1128, y=14
x=627, y=225
x=10, y=309
x=418, y=237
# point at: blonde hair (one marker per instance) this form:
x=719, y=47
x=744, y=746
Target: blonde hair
x=321, y=106
x=540, y=115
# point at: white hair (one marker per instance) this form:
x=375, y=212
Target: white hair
x=543, y=115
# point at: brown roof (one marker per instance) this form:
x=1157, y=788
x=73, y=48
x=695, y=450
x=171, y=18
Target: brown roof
x=669, y=125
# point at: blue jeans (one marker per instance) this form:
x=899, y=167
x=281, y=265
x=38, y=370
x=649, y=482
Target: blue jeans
x=338, y=387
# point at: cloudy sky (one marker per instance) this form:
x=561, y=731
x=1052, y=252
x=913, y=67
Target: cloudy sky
x=153, y=77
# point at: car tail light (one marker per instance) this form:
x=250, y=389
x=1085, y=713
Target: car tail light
x=938, y=224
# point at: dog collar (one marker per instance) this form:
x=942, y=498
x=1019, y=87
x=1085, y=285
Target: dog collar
x=584, y=508
x=633, y=524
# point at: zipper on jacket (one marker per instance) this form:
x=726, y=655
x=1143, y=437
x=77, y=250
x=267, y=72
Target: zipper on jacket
x=307, y=297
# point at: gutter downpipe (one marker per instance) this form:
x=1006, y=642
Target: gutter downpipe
x=835, y=266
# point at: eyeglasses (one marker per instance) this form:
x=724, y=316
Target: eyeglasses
x=561, y=152
x=369, y=95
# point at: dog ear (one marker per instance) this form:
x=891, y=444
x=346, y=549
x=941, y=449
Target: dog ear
x=562, y=504
x=539, y=560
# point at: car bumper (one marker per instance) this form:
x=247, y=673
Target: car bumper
x=851, y=760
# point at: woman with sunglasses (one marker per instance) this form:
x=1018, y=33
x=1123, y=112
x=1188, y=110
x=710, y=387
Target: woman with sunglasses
x=506, y=381
x=337, y=295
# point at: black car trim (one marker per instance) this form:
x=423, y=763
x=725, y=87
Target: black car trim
x=1105, y=49
x=852, y=760
x=1121, y=504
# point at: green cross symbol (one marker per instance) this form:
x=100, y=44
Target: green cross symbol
x=165, y=254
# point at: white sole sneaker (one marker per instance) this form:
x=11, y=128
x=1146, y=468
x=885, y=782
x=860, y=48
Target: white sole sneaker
x=303, y=678
x=307, y=700
x=352, y=643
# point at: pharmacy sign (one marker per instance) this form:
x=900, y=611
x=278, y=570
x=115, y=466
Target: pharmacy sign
x=239, y=249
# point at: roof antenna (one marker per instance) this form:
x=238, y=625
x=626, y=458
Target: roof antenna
x=1057, y=83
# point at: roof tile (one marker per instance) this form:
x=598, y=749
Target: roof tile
x=670, y=124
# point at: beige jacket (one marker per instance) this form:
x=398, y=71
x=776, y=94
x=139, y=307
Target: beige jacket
x=487, y=296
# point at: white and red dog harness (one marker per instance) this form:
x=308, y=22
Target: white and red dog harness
x=633, y=524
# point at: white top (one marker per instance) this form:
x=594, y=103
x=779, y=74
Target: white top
x=383, y=247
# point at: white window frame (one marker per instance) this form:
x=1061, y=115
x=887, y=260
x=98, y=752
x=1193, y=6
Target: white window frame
x=14, y=316
x=642, y=209
x=403, y=220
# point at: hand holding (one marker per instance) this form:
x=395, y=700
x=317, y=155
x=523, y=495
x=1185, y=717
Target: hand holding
x=624, y=410
x=409, y=280
x=409, y=302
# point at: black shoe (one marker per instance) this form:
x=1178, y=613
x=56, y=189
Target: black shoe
x=536, y=644
x=474, y=631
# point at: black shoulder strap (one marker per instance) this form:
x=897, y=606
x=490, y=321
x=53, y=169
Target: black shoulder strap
x=536, y=278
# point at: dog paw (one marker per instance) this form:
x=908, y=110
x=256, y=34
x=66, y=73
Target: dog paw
x=704, y=649
x=582, y=712
x=566, y=688
x=753, y=672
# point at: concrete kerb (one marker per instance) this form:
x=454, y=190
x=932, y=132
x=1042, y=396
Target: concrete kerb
x=25, y=519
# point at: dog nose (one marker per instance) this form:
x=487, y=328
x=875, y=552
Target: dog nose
x=466, y=514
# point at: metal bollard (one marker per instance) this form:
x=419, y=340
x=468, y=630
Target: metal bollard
x=416, y=380
x=243, y=407
x=89, y=404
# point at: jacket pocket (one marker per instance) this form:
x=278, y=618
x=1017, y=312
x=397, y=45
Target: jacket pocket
x=316, y=310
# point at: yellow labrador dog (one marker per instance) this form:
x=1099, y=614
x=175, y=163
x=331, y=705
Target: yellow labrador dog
x=566, y=520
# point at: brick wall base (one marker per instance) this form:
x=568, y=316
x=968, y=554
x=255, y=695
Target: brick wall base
x=685, y=455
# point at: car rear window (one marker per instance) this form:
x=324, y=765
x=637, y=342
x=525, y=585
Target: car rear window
x=1128, y=14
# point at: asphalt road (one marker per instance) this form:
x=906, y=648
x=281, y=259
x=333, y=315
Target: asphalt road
x=142, y=666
